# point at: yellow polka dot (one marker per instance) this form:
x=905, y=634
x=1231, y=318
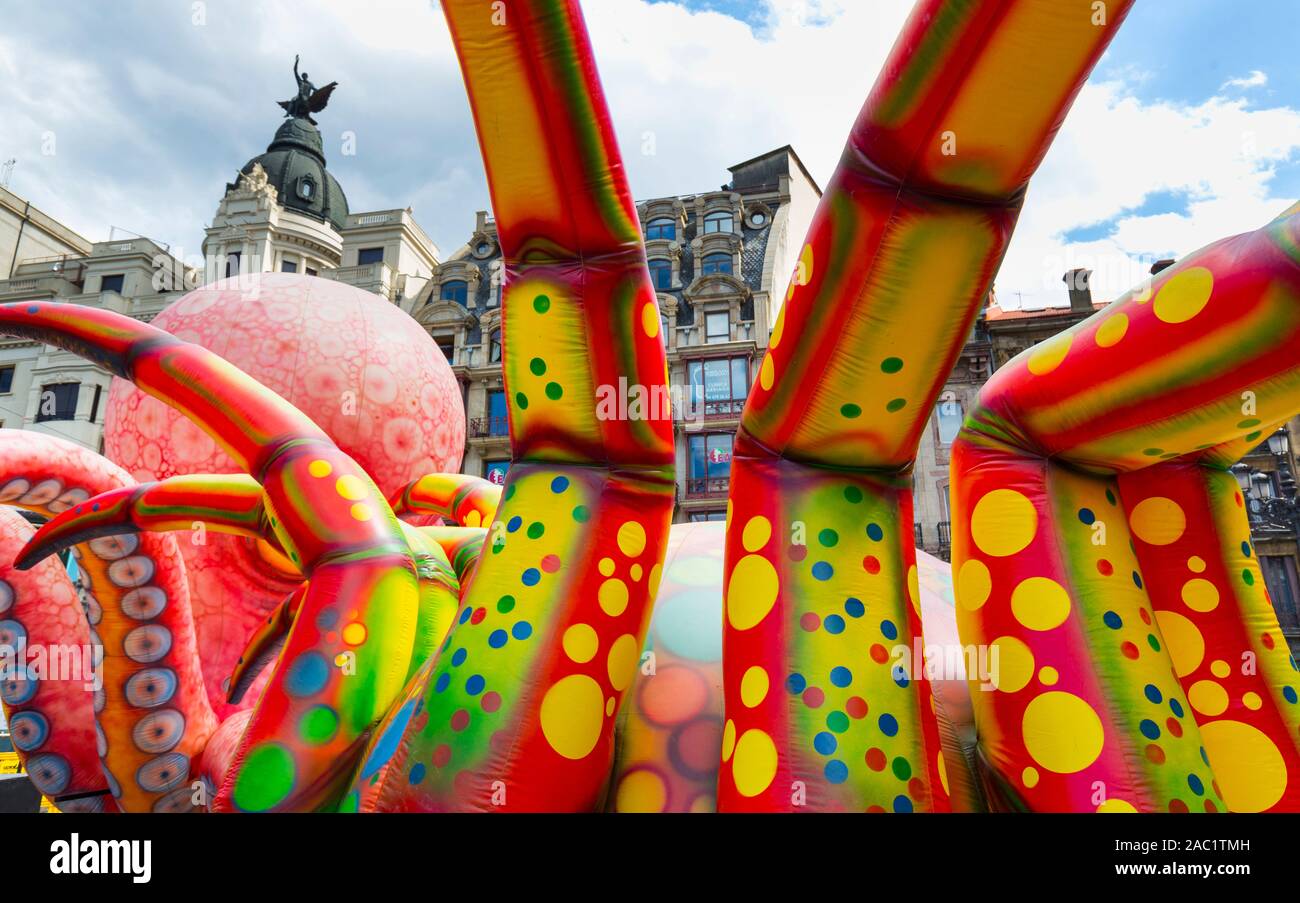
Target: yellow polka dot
x=473, y=519
x=1252, y=701
x=1184, y=295
x=580, y=643
x=650, y=319
x=1062, y=732
x=641, y=791
x=1014, y=666
x=652, y=585
x=755, y=764
x=1196, y=564
x=914, y=589
x=805, y=274
x=1048, y=676
x=354, y=634
x=631, y=539
x=351, y=488
x=1047, y=356
x=1183, y=640
x=1003, y=523
x=621, y=663
x=609, y=706
x=728, y=739
x=1200, y=595
x=1158, y=521
x=636, y=573
x=1040, y=603
x=361, y=511
x=320, y=468
x=766, y=373
x=1208, y=698
x=1248, y=768
x=973, y=584
x=606, y=567
x=943, y=773
x=751, y=591
x=1219, y=668
x=778, y=330
x=1117, y=805
x=572, y=716
x=1110, y=332
x=1029, y=777
x=757, y=532
x=612, y=596
x=753, y=686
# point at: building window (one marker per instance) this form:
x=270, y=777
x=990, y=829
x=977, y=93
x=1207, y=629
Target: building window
x=1280, y=578
x=717, y=327
x=112, y=283
x=456, y=290
x=495, y=472
x=6, y=380
x=232, y=263
x=367, y=256
x=498, y=415
x=720, y=384
x=94, y=403
x=288, y=266
x=661, y=228
x=310, y=271
x=719, y=222
x=661, y=273
x=950, y=417
x=58, y=402
x=710, y=464
x=716, y=263
x=448, y=345
x=700, y=517
x=494, y=346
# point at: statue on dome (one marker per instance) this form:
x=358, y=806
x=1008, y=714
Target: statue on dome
x=309, y=99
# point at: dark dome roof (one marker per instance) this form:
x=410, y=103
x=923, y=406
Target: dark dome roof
x=295, y=165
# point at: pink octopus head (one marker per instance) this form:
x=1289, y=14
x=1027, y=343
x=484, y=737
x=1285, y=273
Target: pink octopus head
x=358, y=366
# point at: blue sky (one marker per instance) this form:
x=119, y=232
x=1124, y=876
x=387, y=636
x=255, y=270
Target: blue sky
x=1189, y=128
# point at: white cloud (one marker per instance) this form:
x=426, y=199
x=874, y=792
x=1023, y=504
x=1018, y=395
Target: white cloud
x=1256, y=79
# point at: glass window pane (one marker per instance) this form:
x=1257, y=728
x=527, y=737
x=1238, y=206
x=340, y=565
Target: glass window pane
x=661, y=272
x=950, y=417
x=456, y=290
x=716, y=263
x=695, y=376
x=697, y=457
x=739, y=377
x=719, y=456
x=718, y=327
x=717, y=380
x=367, y=256
x=498, y=423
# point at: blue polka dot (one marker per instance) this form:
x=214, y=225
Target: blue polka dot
x=498, y=639
x=1245, y=548
x=1112, y=620
x=1137, y=581
x=875, y=533
x=900, y=676
x=854, y=608
x=833, y=624
x=889, y=630
x=1195, y=783
x=825, y=743
x=475, y=684
x=514, y=524
x=308, y=675
x=841, y=676
x=444, y=681
x=1204, y=757
x=32, y=309
x=417, y=773
x=1153, y=693
x=836, y=771
x=464, y=615
x=822, y=570
x=522, y=630
x=795, y=683
x=888, y=725
x=531, y=576
x=1086, y=516
x=1289, y=694
x=327, y=619
x=1149, y=729
x=458, y=657
x=559, y=484
x=1176, y=707
x=902, y=804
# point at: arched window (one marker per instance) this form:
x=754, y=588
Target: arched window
x=661, y=228
x=661, y=272
x=715, y=263
x=719, y=222
x=494, y=346
x=456, y=290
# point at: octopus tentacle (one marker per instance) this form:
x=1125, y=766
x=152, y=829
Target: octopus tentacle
x=465, y=500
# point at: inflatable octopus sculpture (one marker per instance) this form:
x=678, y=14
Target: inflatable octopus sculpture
x=291, y=606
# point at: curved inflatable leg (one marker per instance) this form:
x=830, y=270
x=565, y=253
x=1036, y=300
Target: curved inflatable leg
x=467, y=501
x=898, y=260
x=1141, y=665
x=517, y=712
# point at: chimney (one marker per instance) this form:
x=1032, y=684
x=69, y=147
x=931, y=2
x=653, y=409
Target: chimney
x=1159, y=265
x=1076, y=282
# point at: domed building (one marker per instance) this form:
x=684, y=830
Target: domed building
x=294, y=164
